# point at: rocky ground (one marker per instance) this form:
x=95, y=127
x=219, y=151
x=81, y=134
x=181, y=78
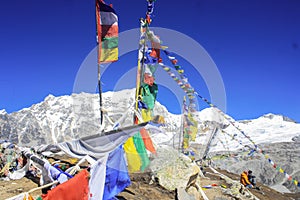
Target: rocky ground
x=265, y=193
x=145, y=187
x=167, y=178
x=285, y=155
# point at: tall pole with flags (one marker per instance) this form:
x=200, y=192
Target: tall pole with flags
x=107, y=40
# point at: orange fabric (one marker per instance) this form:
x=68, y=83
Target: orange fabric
x=244, y=179
x=28, y=197
x=148, y=19
x=148, y=79
x=174, y=62
x=147, y=140
x=136, y=120
x=110, y=31
x=155, y=53
x=74, y=189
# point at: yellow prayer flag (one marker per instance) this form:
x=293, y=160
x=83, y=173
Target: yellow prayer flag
x=133, y=158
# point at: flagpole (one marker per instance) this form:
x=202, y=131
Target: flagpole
x=100, y=94
x=142, y=46
x=98, y=28
x=140, y=66
x=181, y=131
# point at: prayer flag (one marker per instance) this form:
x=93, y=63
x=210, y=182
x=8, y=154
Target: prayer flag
x=117, y=177
x=107, y=32
x=147, y=140
x=133, y=158
x=74, y=189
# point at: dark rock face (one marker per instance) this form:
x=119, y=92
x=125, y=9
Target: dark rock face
x=284, y=118
x=296, y=139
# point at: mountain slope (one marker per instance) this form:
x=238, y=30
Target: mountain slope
x=63, y=118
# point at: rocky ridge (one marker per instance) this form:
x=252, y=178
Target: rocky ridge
x=58, y=119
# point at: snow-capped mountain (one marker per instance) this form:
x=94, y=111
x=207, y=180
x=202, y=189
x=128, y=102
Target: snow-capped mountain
x=63, y=118
x=268, y=128
x=58, y=119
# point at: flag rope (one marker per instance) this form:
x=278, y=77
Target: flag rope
x=187, y=88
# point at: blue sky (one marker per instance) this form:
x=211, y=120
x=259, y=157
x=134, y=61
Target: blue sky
x=255, y=45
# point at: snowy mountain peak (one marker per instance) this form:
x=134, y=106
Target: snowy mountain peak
x=278, y=117
x=3, y=112
x=66, y=117
x=50, y=98
x=213, y=115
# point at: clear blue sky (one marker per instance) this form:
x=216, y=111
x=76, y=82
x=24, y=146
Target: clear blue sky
x=255, y=45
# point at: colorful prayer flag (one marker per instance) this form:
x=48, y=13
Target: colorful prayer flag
x=147, y=140
x=74, y=189
x=107, y=32
x=141, y=149
x=133, y=158
x=117, y=177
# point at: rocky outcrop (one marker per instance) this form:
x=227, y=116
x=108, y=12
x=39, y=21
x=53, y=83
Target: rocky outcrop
x=284, y=155
x=173, y=169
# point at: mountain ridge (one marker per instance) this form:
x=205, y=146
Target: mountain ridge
x=63, y=117
x=67, y=117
